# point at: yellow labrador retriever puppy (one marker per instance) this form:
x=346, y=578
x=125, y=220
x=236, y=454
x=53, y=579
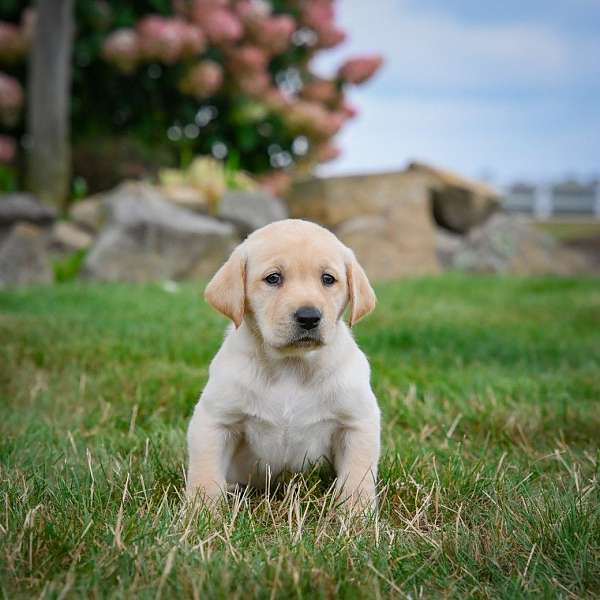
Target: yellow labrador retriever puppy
x=289, y=386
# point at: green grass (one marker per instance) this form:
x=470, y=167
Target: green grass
x=490, y=390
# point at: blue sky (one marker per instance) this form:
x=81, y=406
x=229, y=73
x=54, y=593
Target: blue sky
x=505, y=89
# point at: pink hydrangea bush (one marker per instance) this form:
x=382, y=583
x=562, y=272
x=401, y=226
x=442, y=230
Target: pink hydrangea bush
x=245, y=48
x=15, y=41
x=229, y=77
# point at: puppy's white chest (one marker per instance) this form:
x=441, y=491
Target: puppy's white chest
x=289, y=428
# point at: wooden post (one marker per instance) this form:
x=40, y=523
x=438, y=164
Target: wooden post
x=49, y=155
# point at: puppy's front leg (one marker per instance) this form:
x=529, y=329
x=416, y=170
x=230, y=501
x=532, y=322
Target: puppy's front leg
x=356, y=457
x=208, y=450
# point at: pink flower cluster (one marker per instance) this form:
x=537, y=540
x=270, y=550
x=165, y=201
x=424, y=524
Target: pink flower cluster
x=248, y=68
x=271, y=33
x=320, y=90
x=11, y=100
x=169, y=40
x=319, y=15
x=160, y=39
x=250, y=11
x=8, y=149
x=314, y=119
x=360, y=69
x=203, y=80
x=221, y=25
x=122, y=48
x=243, y=59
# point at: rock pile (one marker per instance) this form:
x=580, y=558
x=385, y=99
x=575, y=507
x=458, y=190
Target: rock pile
x=384, y=218
x=147, y=239
x=132, y=233
x=511, y=245
x=418, y=221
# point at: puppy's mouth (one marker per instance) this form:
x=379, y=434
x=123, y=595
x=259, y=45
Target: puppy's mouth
x=305, y=341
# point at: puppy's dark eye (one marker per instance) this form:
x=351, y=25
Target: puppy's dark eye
x=274, y=279
x=328, y=279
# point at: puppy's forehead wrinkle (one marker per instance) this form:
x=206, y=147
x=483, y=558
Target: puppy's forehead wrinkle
x=290, y=229
x=294, y=238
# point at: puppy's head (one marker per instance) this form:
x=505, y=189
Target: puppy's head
x=292, y=281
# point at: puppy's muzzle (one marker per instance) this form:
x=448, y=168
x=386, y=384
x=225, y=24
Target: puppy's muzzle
x=307, y=317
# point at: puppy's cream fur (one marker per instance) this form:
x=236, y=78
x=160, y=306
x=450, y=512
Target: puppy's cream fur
x=278, y=400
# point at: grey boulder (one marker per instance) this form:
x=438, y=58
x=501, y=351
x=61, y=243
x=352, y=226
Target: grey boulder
x=19, y=207
x=68, y=237
x=147, y=238
x=88, y=214
x=249, y=211
x=23, y=257
x=459, y=204
x=23, y=208
x=510, y=244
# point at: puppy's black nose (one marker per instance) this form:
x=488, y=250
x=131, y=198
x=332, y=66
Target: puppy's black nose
x=307, y=317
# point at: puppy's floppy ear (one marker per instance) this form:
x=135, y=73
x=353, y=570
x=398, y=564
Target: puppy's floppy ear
x=362, y=298
x=226, y=291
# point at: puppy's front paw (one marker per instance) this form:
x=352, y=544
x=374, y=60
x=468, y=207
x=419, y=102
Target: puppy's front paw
x=211, y=498
x=360, y=501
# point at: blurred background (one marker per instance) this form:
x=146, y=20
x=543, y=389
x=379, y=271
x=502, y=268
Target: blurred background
x=141, y=141
x=504, y=92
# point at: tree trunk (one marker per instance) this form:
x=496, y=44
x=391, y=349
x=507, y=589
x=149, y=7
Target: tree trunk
x=49, y=156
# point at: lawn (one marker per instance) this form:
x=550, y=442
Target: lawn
x=490, y=391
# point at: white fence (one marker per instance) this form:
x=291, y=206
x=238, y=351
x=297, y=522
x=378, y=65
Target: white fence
x=561, y=200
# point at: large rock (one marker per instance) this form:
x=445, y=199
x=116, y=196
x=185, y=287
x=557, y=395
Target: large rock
x=18, y=207
x=385, y=218
x=148, y=239
x=509, y=244
x=68, y=237
x=88, y=214
x=251, y=210
x=588, y=246
x=458, y=203
x=186, y=196
x=331, y=201
x=23, y=208
x=23, y=257
x=447, y=245
x=374, y=247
